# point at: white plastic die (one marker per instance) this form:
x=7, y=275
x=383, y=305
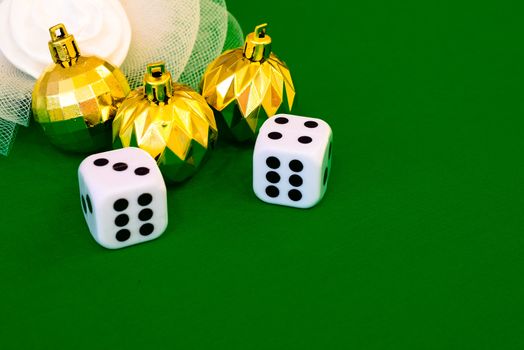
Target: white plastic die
x=292, y=160
x=123, y=197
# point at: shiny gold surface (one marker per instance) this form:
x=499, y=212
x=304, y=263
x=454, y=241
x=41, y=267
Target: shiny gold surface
x=74, y=101
x=258, y=44
x=177, y=130
x=245, y=91
x=158, y=83
x=91, y=89
x=62, y=46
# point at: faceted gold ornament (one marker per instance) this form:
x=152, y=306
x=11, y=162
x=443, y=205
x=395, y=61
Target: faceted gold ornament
x=247, y=85
x=170, y=121
x=76, y=98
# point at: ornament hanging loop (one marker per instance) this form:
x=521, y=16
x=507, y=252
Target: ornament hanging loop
x=158, y=83
x=258, y=44
x=62, y=46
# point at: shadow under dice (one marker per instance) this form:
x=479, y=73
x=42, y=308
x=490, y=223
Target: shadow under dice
x=292, y=160
x=123, y=197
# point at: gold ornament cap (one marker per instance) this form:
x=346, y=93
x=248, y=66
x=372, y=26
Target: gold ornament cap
x=158, y=84
x=62, y=46
x=258, y=44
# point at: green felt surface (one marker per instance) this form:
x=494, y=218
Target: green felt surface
x=418, y=243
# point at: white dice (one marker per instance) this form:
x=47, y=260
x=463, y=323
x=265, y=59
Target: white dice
x=123, y=197
x=292, y=160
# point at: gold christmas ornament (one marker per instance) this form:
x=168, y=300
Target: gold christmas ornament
x=76, y=98
x=170, y=121
x=247, y=85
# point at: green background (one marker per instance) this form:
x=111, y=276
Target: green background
x=418, y=243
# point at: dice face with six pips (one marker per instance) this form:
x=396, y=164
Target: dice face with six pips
x=292, y=160
x=123, y=197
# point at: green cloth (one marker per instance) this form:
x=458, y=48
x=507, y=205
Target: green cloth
x=418, y=243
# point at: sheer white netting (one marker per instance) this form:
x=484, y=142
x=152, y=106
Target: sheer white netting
x=210, y=40
x=15, y=102
x=7, y=134
x=234, y=37
x=154, y=37
x=186, y=34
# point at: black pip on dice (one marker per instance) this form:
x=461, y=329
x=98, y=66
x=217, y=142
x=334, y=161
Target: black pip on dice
x=292, y=160
x=123, y=197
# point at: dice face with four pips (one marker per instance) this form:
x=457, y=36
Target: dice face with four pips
x=123, y=197
x=292, y=160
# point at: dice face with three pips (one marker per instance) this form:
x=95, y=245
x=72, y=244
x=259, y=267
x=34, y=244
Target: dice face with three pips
x=292, y=160
x=123, y=197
